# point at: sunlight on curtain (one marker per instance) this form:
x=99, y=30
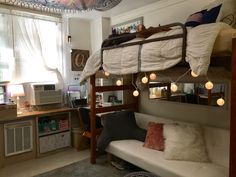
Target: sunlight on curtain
x=6, y=48
x=38, y=50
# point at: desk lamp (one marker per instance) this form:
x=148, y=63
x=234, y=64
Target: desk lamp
x=17, y=91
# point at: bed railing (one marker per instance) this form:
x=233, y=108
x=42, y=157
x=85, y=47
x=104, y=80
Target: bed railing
x=182, y=35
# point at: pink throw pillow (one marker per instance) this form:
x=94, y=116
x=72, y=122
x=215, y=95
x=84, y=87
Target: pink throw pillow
x=154, y=138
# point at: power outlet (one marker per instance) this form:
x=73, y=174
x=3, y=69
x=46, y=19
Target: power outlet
x=76, y=78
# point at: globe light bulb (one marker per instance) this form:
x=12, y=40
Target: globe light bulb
x=209, y=85
x=118, y=82
x=144, y=79
x=220, y=101
x=136, y=93
x=193, y=74
x=173, y=87
x=106, y=73
x=153, y=76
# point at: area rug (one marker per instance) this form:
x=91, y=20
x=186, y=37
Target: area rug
x=84, y=169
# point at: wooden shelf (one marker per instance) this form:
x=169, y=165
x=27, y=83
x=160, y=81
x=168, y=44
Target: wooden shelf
x=113, y=88
x=114, y=108
x=52, y=132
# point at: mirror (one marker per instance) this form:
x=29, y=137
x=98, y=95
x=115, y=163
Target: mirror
x=193, y=93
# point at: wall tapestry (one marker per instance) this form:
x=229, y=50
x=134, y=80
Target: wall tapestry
x=127, y=27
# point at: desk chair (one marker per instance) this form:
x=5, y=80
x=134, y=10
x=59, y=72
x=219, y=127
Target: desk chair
x=84, y=116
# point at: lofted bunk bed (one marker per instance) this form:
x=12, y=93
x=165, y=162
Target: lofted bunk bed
x=140, y=55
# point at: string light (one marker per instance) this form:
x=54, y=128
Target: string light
x=173, y=87
x=153, y=76
x=145, y=79
x=106, y=73
x=136, y=93
x=118, y=82
x=220, y=101
x=209, y=85
x=193, y=74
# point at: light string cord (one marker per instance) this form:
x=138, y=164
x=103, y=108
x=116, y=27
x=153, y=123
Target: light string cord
x=169, y=78
x=183, y=75
x=133, y=82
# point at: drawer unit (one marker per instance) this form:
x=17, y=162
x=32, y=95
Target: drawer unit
x=53, y=142
x=53, y=132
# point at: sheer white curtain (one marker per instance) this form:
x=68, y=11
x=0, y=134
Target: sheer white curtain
x=38, y=50
x=6, y=48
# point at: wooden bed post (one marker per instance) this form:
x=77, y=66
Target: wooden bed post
x=92, y=120
x=232, y=170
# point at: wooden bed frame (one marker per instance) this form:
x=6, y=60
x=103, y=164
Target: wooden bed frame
x=134, y=106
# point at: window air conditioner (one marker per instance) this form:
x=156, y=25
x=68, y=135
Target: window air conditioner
x=42, y=94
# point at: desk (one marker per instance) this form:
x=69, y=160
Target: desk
x=180, y=97
x=57, y=132
x=104, y=113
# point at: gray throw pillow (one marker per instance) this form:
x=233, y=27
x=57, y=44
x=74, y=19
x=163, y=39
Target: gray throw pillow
x=119, y=126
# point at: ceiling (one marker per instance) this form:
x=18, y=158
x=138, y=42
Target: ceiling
x=122, y=7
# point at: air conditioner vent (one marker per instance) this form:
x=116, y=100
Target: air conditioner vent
x=18, y=137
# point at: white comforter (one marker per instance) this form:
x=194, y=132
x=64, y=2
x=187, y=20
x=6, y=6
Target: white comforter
x=160, y=55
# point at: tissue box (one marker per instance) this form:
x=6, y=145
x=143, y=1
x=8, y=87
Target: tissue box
x=8, y=112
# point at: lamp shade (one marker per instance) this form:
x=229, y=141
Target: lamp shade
x=17, y=90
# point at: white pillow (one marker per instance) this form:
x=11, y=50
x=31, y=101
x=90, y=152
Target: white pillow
x=184, y=142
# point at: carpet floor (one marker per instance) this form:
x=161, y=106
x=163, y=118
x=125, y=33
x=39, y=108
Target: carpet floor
x=83, y=168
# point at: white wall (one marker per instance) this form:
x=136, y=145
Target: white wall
x=165, y=12
x=106, y=27
x=100, y=30
x=162, y=12
x=79, y=30
x=80, y=33
x=169, y=11
x=96, y=34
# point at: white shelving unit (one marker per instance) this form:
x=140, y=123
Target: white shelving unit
x=53, y=132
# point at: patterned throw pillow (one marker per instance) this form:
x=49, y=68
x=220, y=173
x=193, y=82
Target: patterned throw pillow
x=211, y=15
x=154, y=138
x=195, y=19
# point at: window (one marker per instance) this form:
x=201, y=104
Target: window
x=30, y=48
x=2, y=94
x=6, y=48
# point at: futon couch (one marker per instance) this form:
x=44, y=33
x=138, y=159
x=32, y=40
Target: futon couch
x=217, y=145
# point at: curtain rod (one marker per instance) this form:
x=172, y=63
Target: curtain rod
x=23, y=12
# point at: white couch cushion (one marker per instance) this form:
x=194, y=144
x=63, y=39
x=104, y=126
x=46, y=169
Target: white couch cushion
x=217, y=143
x=153, y=161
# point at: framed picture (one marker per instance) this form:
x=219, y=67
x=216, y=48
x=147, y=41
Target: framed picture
x=78, y=59
x=127, y=27
x=112, y=98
